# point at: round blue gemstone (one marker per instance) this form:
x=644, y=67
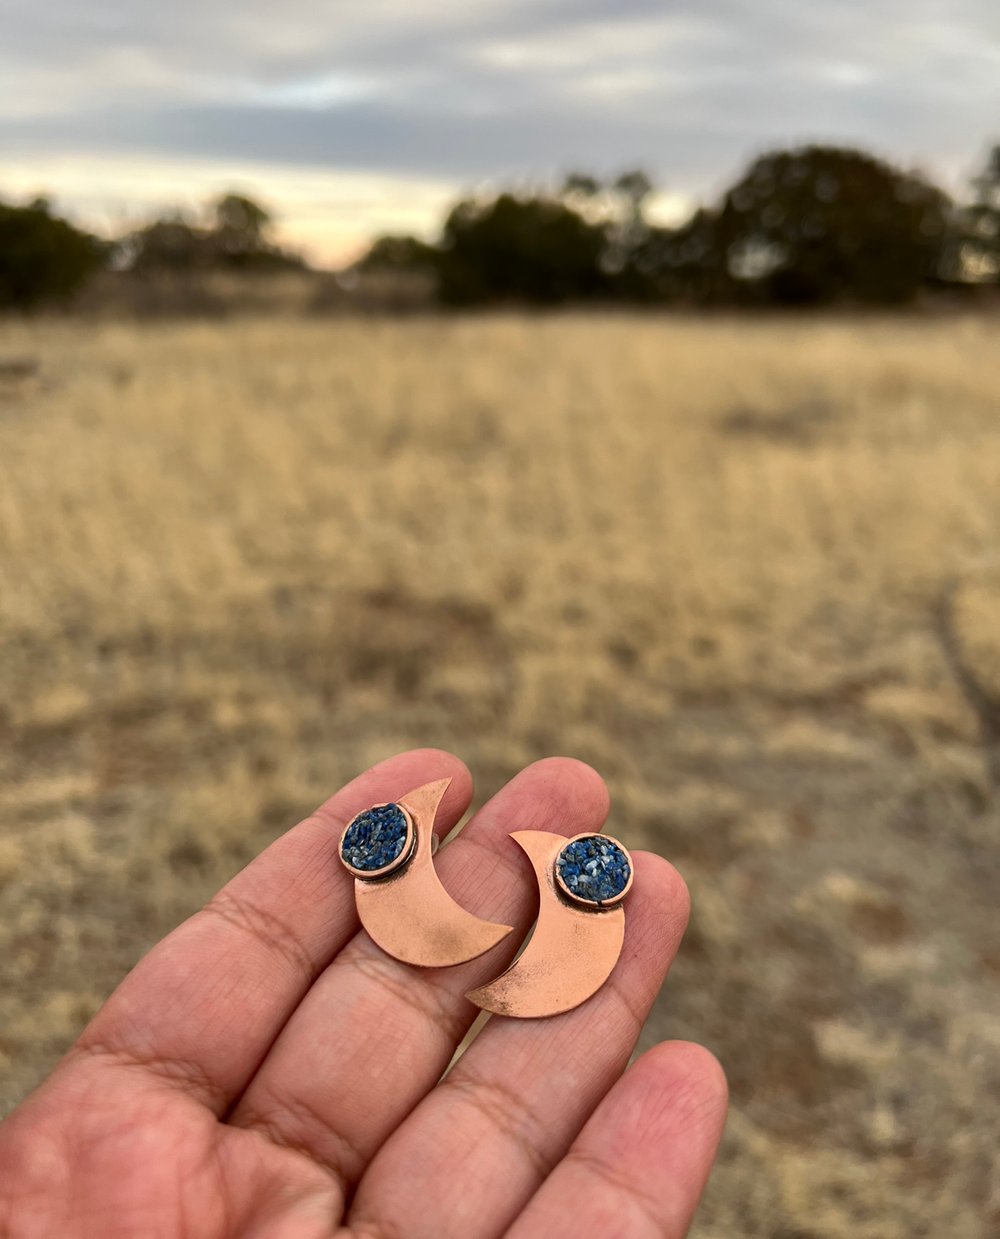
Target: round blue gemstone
x=594, y=868
x=375, y=838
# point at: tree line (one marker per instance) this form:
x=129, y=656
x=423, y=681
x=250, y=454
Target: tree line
x=816, y=225
x=44, y=258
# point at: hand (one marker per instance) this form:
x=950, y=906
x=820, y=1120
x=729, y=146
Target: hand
x=267, y=1072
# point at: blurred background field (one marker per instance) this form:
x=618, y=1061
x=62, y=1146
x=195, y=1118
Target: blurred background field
x=746, y=568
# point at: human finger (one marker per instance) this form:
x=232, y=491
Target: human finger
x=203, y=1007
x=373, y=1036
x=513, y=1103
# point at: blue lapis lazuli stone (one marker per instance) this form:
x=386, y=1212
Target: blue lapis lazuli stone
x=594, y=868
x=375, y=838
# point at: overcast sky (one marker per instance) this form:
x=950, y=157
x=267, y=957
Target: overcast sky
x=356, y=116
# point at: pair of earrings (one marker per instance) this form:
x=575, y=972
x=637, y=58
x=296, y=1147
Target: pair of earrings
x=408, y=913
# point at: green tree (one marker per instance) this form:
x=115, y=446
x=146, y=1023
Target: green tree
x=678, y=264
x=823, y=224
x=42, y=257
x=169, y=244
x=398, y=253
x=581, y=186
x=236, y=236
x=627, y=235
x=979, y=226
x=987, y=181
x=633, y=189
x=241, y=226
x=618, y=205
x=511, y=249
x=624, y=197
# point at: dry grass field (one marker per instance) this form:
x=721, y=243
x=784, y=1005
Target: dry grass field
x=239, y=562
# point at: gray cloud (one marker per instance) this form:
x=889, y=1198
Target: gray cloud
x=496, y=89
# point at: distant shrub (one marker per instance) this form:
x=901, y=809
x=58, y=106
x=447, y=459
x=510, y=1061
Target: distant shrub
x=42, y=257
x=237, y=237
x=975, y=254
x=532, y=250
x=822, y=224
x=398, y=252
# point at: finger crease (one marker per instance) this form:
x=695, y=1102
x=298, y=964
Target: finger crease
x=420, y=995
x=507, y=1112
x=638, y=1017
x=649, y=1206
x=315, y=1130
x=183, y=1073
x=497, y=860
x=372, y=1228
x=264, y=927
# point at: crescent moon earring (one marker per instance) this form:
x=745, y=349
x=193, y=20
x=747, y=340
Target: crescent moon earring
x=401, y=902
x=580, y=929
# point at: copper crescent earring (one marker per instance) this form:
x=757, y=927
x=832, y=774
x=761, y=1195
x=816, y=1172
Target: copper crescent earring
x=580, y=928
x=389, y=850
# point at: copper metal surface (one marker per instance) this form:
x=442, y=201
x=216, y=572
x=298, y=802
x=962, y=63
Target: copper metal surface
x=409, y=914
x=571, y=953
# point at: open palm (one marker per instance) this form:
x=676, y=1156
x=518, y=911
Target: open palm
x=266, y=1071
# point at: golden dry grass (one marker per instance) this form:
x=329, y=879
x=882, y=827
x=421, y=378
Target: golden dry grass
x=240, y=562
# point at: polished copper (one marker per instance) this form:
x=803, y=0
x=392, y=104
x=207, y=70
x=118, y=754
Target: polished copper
x=409, y=914
x=572, y=951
